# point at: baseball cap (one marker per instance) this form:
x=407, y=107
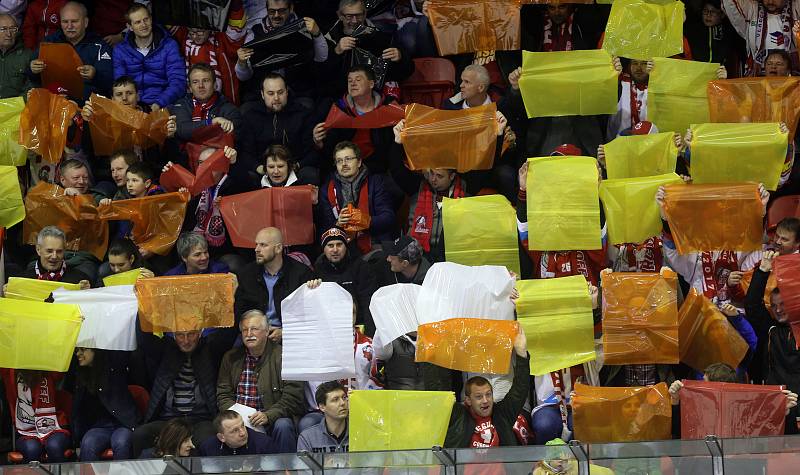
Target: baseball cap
x=405, y=247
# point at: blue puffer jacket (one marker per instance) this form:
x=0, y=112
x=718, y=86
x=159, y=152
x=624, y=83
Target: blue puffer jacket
x=160, y=76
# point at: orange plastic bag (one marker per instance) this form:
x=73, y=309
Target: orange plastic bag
x=177, y=176
x=767, y=99
x=156, y=219
x=359, y=221
x=634, y=414
x=467, y=26
x=640, y=317
x=468, y=344
x=463, y=140
x=62, y=67
x=715, y=217
x=706, y=336
x=185, y=302
x=787, y=275
x=44, y=122
x=77, y=216
x=287, y=208
x=384, y=116
x=116, y=126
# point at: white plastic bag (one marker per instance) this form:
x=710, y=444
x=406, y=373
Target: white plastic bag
x=393, y=310
x=109, y=316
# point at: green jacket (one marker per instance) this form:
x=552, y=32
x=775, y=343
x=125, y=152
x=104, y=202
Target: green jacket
x=13, y=81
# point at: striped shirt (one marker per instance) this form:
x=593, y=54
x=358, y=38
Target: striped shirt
x=183, y=389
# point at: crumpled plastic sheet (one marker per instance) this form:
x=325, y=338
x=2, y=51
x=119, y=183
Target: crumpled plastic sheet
x=185, y=302
x=359, y=220
x=468, y=26
x=12, y=208
x=44, y=122
x=468, y=344
x=178, y=177
x=714, y=217
x=208, y=136
x=384, y=116
x=640, y=317
x=11, y=152
x=116, y=126
x=21, y=288
x=123, y=278
x=62, y=67
x=109, y=316
x=638, y=29
x=463, y=140
x=282, y=47
x=606, y=414
x=787, y=274
x=638, y=156
x=676, y=93
x=393, y=310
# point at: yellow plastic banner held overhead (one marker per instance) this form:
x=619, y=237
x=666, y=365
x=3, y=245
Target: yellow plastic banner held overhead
x=631, y=210
x=398, y=420
x=634, y=156
x=12, y=208
x=676, y=93
x=20, y=288
x=38, y=335
x=468, y=344
x=556, y=316
x=481, y=230
x=560, y=83
x=123, y=278
x=732, y=153
x=467, y=26
x=11, y=152
x=563, y=204
x=637, y=29
x=706, y=335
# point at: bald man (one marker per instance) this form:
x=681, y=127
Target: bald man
x=263, y=284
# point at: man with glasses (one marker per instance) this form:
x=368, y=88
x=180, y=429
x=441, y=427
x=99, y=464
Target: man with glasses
x=14, y=58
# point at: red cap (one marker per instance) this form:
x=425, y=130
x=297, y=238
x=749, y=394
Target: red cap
x=567, y=149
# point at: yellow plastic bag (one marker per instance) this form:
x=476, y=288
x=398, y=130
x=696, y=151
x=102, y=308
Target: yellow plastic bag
x=398, y=420
x=633, y=156
x=640, y=317
x=468, y=344
x=123, y=278
x=185, y=302
x=20, y=288
x=726, y=153
x=467, y=26
x=676, y=93
x=38, y=335
x=560, y=83
x=11, y=152
x=556, y=316
x=563, y=204
x=706, y=335
x=12, y=208
x=638, y=29
x=631, y=209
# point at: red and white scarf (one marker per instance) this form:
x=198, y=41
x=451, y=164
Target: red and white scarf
x=35, y=413
x=423, y=212
x=557, y=42
x=756, y=59
x=209, y=217
x=715, y=274
x=201, y=110
x=53, y=276
x=204, y=53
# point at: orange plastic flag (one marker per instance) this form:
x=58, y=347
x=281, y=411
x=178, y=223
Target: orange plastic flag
x=116, y=126
x=384, y=116
x=768, y=99
x=359, y=221
x=621, y=414
x=46, y=204
x=156, y=219
x=467, y=26
x=714, y=217
x=185, y=302
x=706, y=336
x=44, y=122
x=463, y=139
x=177, y=176
x=468, y=344
x=62, y=67
x=287, y=208
x=640, y=317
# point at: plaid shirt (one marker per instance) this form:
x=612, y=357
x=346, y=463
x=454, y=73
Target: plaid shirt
x=247, y=389
x=640, y=375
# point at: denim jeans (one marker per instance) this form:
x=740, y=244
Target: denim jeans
x=98, y=439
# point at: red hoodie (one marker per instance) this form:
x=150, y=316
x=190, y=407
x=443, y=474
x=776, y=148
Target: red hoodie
x=41, y=19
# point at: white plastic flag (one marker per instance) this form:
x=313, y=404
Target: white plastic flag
x=109, y=315
x=393, y=310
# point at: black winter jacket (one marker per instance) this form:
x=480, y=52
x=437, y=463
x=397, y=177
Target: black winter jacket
x=252, y=291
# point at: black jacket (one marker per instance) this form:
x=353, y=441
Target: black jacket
x=252, y=291
x=355, y=276
x=71, y=275
x=183, y=108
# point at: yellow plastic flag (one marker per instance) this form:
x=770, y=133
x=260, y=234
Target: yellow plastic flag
x=633, y=156
x=12, y=208
x=11, y=152
x=639, y=29
x=468, y=344
x=563, y=204
x=559, y=83
x=123, y=278
x=556, y=316
x=38, y=335
x=481, y=230
x=631, y=210
x=398, y=420
x=20, y=288
x=677, y=93
x=726, y=153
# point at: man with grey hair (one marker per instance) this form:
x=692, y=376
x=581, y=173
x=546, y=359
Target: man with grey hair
x=192, y=248
x=51, y=243
x=14, y=58
x=474, y=89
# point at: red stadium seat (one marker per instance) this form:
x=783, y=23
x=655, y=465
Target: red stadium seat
x=433, y=81
x=783, y=207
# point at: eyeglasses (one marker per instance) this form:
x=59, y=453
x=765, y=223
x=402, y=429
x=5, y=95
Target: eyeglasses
x=9, y=29
x=354, y=16
x=277, y=11
x=340, y=161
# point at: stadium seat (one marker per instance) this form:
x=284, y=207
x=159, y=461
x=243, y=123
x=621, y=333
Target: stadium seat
x=433, y=81
x=783, y=207
x=141, y=398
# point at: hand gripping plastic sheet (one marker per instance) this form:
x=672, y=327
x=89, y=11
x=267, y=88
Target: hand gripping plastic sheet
x=481, y=230
x=393, y=310
x=463, y=139
x=706, y=336
x=731, y=153
x=456, y=291
x=676, y=93
x=640, y=317
x=642, y=30
x=12, y=208
x=384, y=116
x=768, y=99
x=20, y=288
x=631, y=211
x=309, y=315
x=109, y=316
x=563, y=204
x=574, y=83
x=207, y=136
x=398, y=420
x=185, y=302
x=11, y=152
x=117, y=126
x=621, y=414
x=467, y=26
x=714, y=217
x=359, y=221
x=286, y=208
x=556, y=316
x=62, y=68
x=635, y=156
x=123, y=278
x=156, y=219
x=37, y=335
x=787, y=273
x=44, y=122
x=468, y=344
x=731, y=410
x=77, y=216
x=178, y=177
